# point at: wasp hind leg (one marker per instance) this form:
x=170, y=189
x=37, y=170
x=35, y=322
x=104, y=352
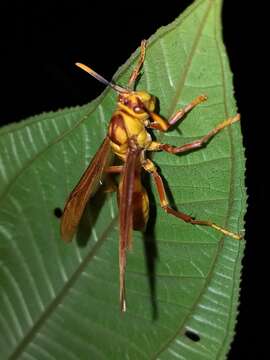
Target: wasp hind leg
x=108, y=184
x=150, y=167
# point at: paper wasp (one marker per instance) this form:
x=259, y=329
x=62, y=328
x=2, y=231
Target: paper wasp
x=130, y=141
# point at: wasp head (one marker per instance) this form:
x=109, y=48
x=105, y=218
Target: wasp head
x=136, y=102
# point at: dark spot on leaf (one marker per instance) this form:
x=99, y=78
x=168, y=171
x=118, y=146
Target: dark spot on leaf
x=192, y=335
x=58, y=212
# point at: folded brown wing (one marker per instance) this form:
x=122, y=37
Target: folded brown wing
x=85, y=188
x=126, y=214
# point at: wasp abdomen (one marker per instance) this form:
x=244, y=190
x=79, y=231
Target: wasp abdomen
x=140, y=209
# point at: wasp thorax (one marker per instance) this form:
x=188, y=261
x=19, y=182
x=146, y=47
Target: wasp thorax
x=137, y=102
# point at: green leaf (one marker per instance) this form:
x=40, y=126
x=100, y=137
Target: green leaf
x=61, y=301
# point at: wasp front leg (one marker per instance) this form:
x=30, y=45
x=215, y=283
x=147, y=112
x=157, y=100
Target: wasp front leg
x=114, y=169
x=160, y=124
x=137, y=69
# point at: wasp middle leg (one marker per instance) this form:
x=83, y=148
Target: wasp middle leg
x=196, y=144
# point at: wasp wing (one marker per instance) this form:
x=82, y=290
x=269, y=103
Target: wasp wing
x=86, y=187
x=126, y=214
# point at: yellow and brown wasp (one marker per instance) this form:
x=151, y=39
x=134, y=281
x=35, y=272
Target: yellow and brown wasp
x=130, y=141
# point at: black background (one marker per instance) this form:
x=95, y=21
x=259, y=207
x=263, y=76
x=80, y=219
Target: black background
x=39, y=45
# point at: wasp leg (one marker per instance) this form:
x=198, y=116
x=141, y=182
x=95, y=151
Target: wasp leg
x=150, y=167
x=194, y=144
x=182, y=112
x=115, y=169
x=108, y=184
x=163, y=125
x=137, y=68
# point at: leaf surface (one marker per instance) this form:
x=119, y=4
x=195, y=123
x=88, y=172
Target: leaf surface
x=61, y=301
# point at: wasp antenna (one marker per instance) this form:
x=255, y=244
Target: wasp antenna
x=100, y=78
x=93, y=73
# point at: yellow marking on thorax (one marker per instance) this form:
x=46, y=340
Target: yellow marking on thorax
x=135, y=128
x=124, y=126
x=120, y=150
